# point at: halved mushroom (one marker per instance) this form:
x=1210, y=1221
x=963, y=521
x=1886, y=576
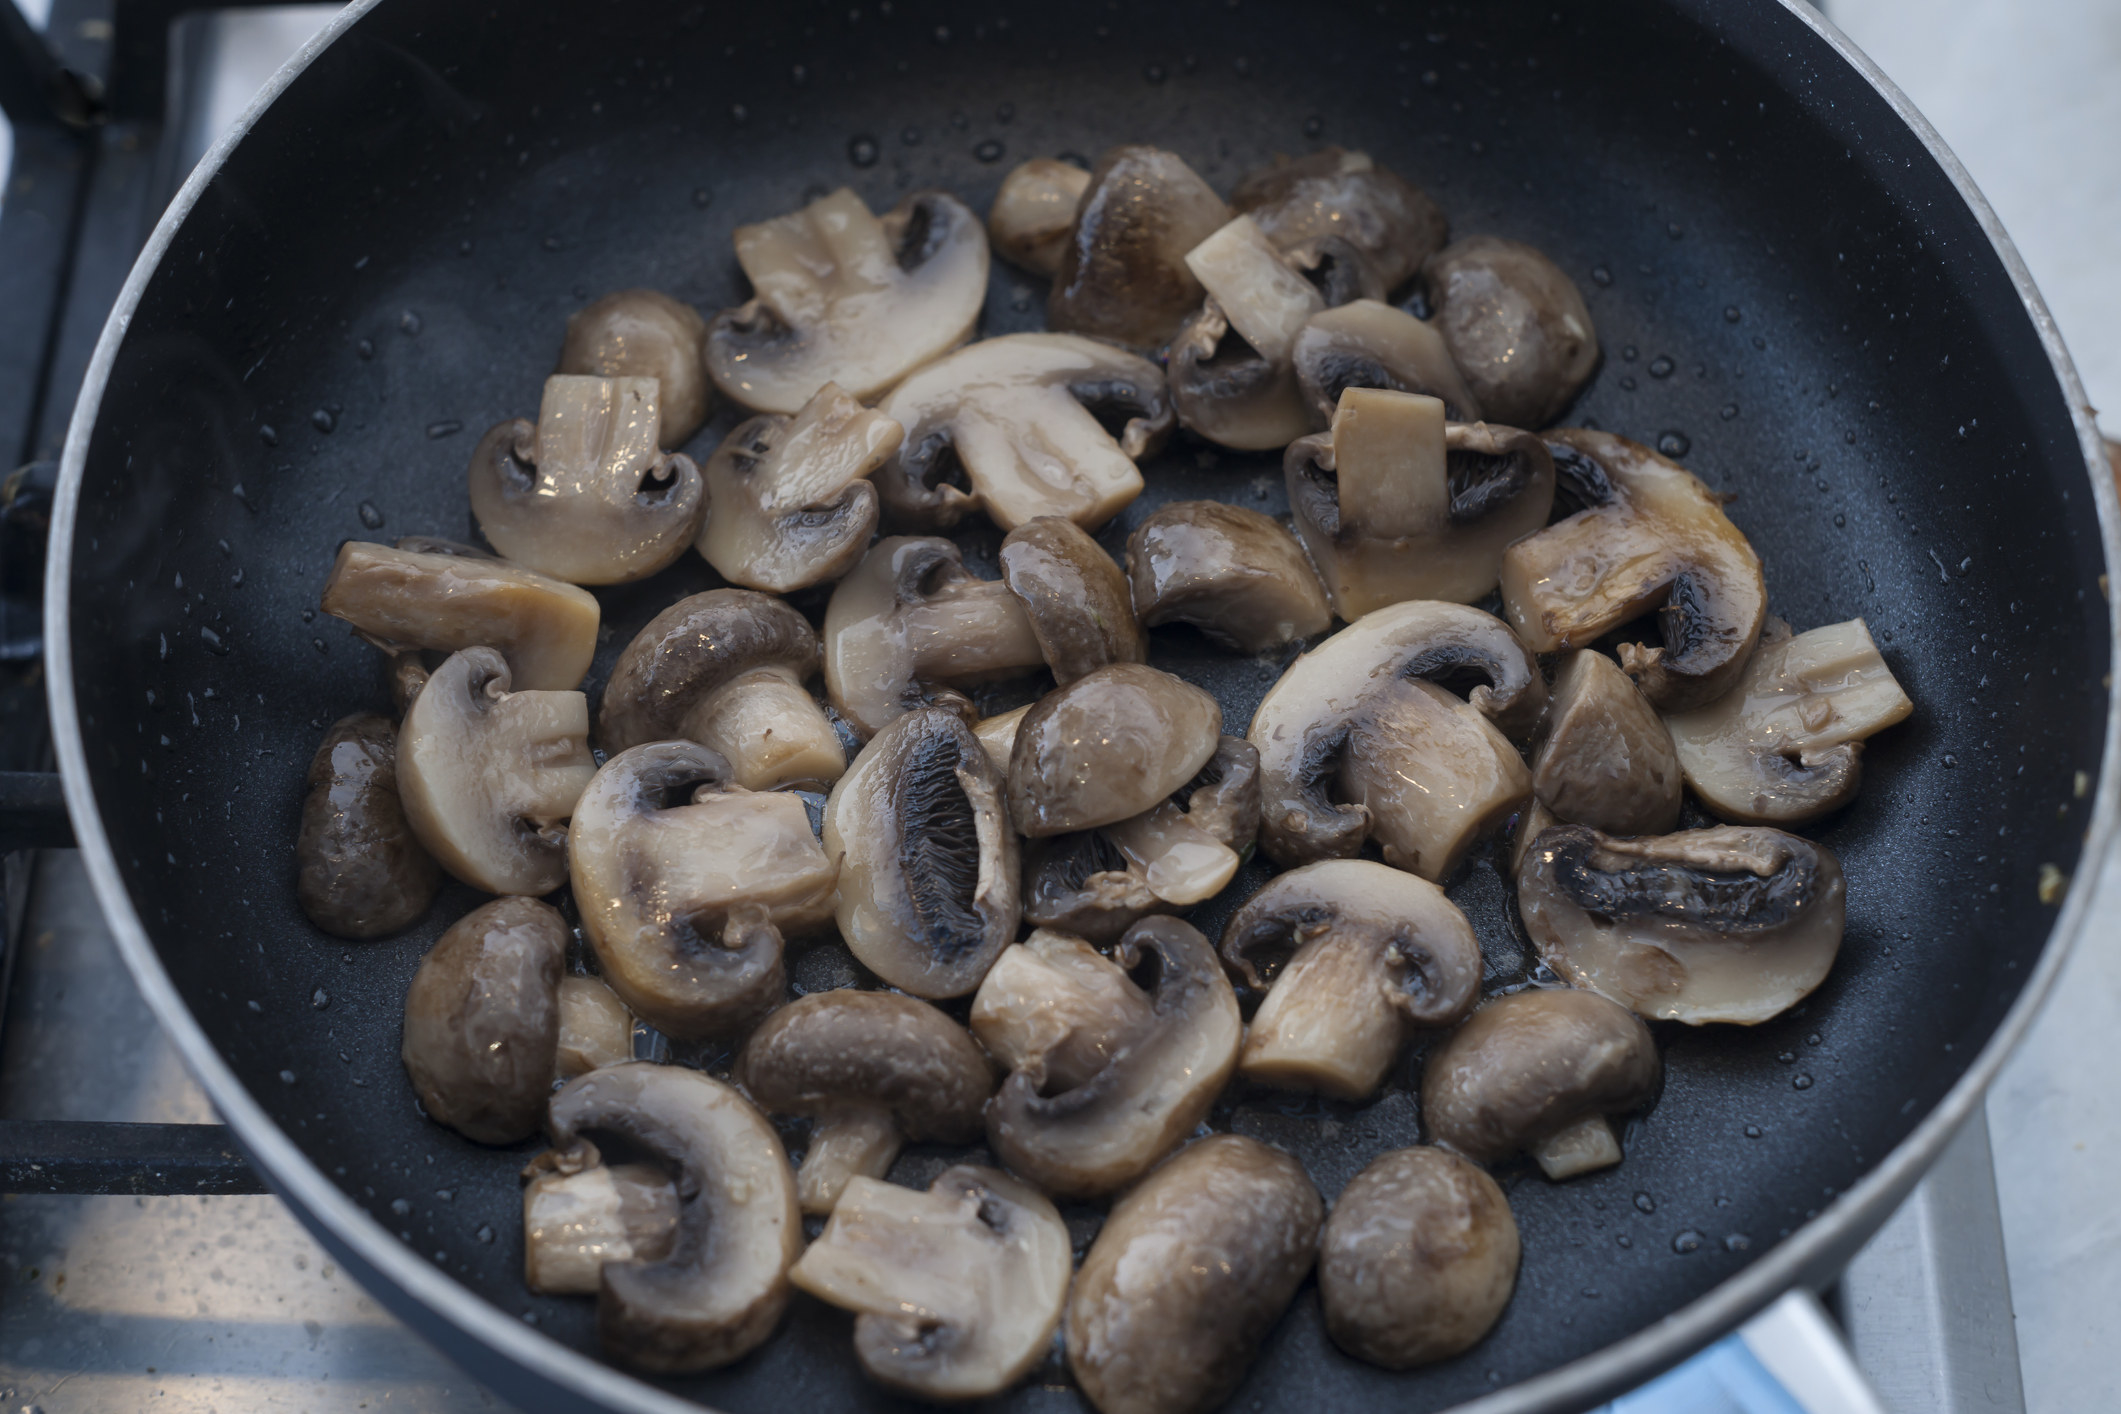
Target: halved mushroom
x=1368, y=344
x=1187, y=1276
x=1108, y=747
x=1660, y=541
x=1371, y=953
x=482, y=1020
x=686, y=883
x=1337, y=195
x=721, y=1289
x=1057, y=998
x=1607, y=761
x=1537, y=1072
x=1394, y=503
x=488, y=776
x=1122, y=273
x=1517, y=327
x=726, y=669
x=573, y=1223
x=1225, y=390
x=1785, y=745
x=415, y=597
x=1097, y=1135
x=1075, y=595
x=928, y=862
x=841, y=296
x=958, y=1290
x=1264, y=298
x=360, y=873
x=1034, y=213
x=645, y=334
x=584, y=493
x=1417, y=1259
x=1357, y=739
x=1023, y=421
x=1236, y=575
x=595, y=1027
x=1731, y=924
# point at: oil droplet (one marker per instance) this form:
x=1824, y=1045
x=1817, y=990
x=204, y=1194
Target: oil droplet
x=1624, y=1240
x=400, y=1207
x=1314, y=125
x=1730, y=314
x=268, y=434
x=1801, y=1082
x=862, y=150
x=287, y=1077
x=1840, y=520
x=1729, y=411
x=910, y=137
x=366, y=348
x=213, y=641
x=1645, y=1203
x=988, y=151
x=1600, y=276
x=1661, y=367
x=320, y=999
x=409, y=324
x=1674, y=444
x=447, y=427
x=1737, y=1242
x=1752, y=1131
x=370, y=516
x=322, y=420
x=485, y=1234
x=1629, y=353
x=702, y=198
x=1950, y=760
x=1687, y=1242
x=1154, y=73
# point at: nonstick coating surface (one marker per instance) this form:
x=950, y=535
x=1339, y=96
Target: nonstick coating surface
x=1783, y=281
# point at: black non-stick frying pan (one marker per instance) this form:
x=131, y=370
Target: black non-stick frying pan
x=1797, y=291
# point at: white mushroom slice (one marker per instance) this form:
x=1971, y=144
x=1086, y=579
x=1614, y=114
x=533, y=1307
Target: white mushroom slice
x=573, y=1223
x=595, y=1027
x=1182, y=862
x=1266, y=301
x=1034, y=213
x=1056, y=998
x=997, y=735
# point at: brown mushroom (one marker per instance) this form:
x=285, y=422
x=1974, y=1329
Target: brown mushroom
x=1517, y=327
x=1369, y=344
x=595, y=1027
x=1076, y=597
x=360, y=872
x=1236, y=575
x=645, y=334
x=1108, y=747
x=1055, y=997
x=1034, y=213
x=1225, y=390
x=1122, y=274
x=1606, y=761
x=1334, y=195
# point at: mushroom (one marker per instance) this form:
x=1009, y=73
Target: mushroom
x=957, y=1290
x=360, y=873
x=414, y=597
x=584, y=493
x=482, y=1020
x=1354, y=724
x=1395, y=504
x=1659, y=541
x=489, y=776
x=1516, y=326
x=927, y=860
x=1108, y=747
x=1225, y=390
x=1234, y=574
x=1417, y=1260
x=1531, y=822
x=872, y=1070
x=686, y=883
x=1371, y=952
x=1076, y=596
x=1057, y=998
x=1607, y=761
x=1034, y=213
x=573, y=1223
x=789, y=504
x=726, y=669
x=1187, y=1276
x=841, y=296
x=1337, y=195
x=1368, y=344
x=645, y=334
x=722, y=1287
x=1097, y=1136
x=1730, y=924
x=1785, y=744
x=1023, y=421
x=1264, y=298
x=997, y=735
x=1538, y=1071
x=595, y=1027
x=1122, y=273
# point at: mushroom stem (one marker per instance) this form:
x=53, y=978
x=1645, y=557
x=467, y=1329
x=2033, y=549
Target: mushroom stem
x=772, y=732
x=1327, y=1025
x=573, y=1223
x=1388, y=453
x=979, y=630
x=1183, y=862
x=847, y=1140
x=1583, y=1147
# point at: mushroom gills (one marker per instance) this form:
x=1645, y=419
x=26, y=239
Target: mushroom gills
x=360, y=871
x=573, y=1223
x=1225, y=390
x=645, y=334
x=595, y=1027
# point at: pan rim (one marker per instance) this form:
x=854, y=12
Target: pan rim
x=322, y=1205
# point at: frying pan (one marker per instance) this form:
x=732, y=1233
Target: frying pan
x=1797, y=290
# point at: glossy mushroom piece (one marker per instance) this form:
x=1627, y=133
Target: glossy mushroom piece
x=360, y=873
x=1108, y=747
x=1232, y=379
x=1369, y=344
x=1075, y=596
x=1034, y=213
x=1606, y=760
x=1122, y=273
x=596, y=1029
x=1236, y=575
x=1517, y=327
x=576, y=1221
x=645, y=334
x=1335, y=195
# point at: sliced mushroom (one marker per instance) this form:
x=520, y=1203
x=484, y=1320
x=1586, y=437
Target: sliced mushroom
x=1034, y=213
x=841, y=296
x=1264, y=298
x=722, y=1287
x=1022, y=420
x=1057, y=998
x=1729, y=924
x=1122, y=273
x=1337, y=195
x=360, y=873
x=421, y=598
x=1607, y=761
x=726, y=669
x=573, y=1223
x=1225, y=390
x=686, y=883
x=1187, y=1276
x=595, y=1027
x=1097, y=1136
x=997, y=735
x=1417, y=1260
x=872, y=1070
x=1368, y=344
x=1660, y=540
x=489, y=776
x=1236, y=575
x=584, y=493
x=1517, y=327
x=1531, y=822
x=1076, y=597
x=1108, y=747
x=1371, y=953
x=645, y=334
x=1538, y=1071
x=1785, y=745
x=1083, y=883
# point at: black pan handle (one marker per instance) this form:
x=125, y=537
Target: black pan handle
x=95, y=1156
x=33, y=813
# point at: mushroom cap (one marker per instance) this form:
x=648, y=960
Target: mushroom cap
x=645, y=334
x=692, y=650
x=361, y=874
x=595, y=1027
x=1517, y=327
x=1122, y=274
x=1607, y=761
x=1034, y=213
x=880, y=1049
x=1225, y=390
x=1335, y=194
x=1237, y=575
x=1075, y=595
x=1366, y=343
x=1108, y=747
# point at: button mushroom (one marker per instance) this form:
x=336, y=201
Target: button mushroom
x=1056, y=998
x=872, y=1070
x=482, y=1020
x=418, y=598
x=928, y=862
x=686, y=883
x=1338, y=195
x=958, y=1290
x=726, y=669
x=1417, y=1260
x=573, y=1223
x=1538, y=1071
x=595, y=1027
x=1659, y=541
x=722, y=1287
x=1264, y=298
x=645, y=334
x=1187, y=1276
x=1108, y=747
x=488, y=776
x=360, y=873
x=1225, y=390
x=1122, y=273
x=584, y=494
x=1034, y=213
x=1371, y=952
x=1234, y=574
x=1369, y=344
x=1517, y=327
x=1607, y=761
x=1075, y=595
x=1731, y=924
x=841, y=296
x=1785, y=745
